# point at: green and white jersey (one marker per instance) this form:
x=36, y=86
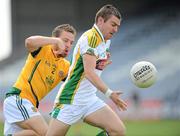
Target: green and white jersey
x=77, y=89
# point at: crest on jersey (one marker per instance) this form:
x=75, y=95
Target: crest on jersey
x=61, y=73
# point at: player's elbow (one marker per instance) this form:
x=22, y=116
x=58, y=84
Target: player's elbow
x=28, y=42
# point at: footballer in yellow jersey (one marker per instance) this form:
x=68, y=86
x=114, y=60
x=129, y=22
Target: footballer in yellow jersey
x=41, y=73
x=45, y=67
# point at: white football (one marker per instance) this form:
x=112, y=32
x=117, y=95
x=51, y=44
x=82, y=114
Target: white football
x=143, y=74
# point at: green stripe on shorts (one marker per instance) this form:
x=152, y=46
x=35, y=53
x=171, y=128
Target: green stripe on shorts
x=55, y=112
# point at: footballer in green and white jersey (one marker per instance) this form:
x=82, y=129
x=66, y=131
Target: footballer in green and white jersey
x=77, y=89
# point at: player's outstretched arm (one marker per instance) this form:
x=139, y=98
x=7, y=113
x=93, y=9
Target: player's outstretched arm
x=89, y=62
x=32, y=43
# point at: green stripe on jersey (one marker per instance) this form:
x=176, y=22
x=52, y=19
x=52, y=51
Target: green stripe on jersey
x=71, y=86
x=93, y=41
x=34, y=69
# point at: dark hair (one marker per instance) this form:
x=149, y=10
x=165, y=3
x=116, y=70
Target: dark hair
x=106, y=12
x=64, y=27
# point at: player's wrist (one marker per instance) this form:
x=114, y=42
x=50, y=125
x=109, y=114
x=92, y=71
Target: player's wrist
x=108, y=93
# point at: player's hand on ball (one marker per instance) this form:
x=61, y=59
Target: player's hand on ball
x=115, y=96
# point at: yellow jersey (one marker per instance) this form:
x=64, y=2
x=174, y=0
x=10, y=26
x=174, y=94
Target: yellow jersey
x=40, y=74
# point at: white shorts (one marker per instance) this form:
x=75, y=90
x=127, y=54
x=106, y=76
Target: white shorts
x=15, y=110
x=70, y=114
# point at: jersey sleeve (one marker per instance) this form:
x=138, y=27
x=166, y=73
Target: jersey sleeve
x=87, y=48
x=40, y=52
x=34, y=53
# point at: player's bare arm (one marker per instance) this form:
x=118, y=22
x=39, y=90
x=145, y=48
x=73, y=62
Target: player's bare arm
x=34, y=42
x=89, y=62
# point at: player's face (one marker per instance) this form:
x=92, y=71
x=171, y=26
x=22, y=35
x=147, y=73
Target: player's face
x=110, y=27
x=68, y=39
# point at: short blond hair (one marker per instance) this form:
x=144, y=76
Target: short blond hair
x=64, y=27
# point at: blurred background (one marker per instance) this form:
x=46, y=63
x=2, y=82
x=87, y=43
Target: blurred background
x=149, y=31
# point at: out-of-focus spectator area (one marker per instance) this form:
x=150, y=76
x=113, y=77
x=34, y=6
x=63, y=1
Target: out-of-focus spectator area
x=149, y=31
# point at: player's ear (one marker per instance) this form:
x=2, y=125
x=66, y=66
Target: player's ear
x=100, y=20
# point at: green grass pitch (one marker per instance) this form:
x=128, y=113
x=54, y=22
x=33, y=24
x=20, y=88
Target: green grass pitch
x=134, y=128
